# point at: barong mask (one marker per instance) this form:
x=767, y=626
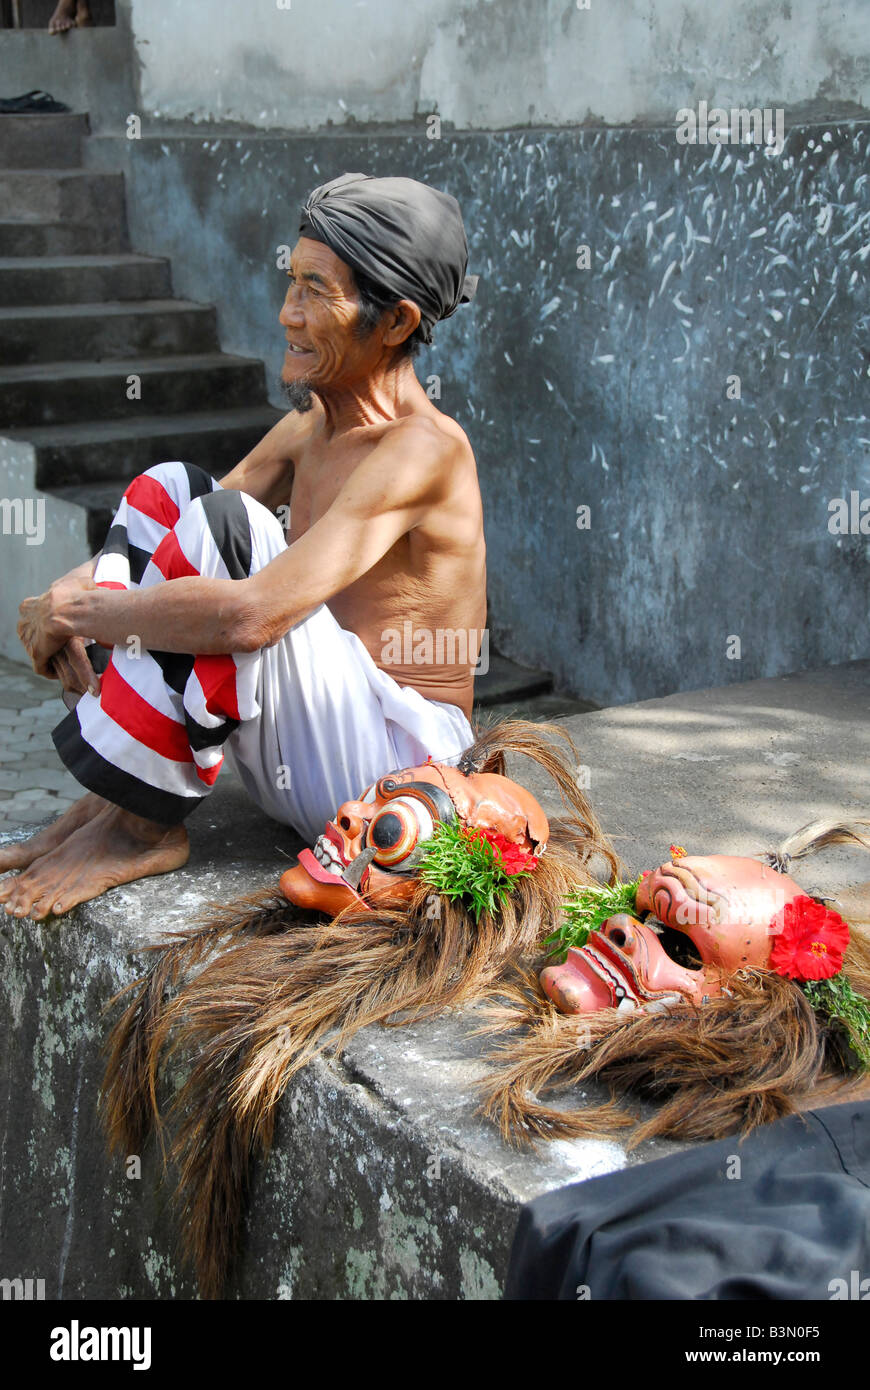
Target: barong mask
x=727, y=910
x=735, y=998
x=372, y=850
x=428, y=891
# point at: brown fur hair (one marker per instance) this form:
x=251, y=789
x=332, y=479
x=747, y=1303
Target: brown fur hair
x=271, y=988
x=728, y=1065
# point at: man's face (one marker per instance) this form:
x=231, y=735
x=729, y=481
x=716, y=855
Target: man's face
x=319, y=317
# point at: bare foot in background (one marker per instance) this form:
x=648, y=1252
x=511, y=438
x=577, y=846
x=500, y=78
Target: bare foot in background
x=70, y=14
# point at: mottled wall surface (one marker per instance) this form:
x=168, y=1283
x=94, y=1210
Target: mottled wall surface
x=487, y=64
x=608, y=387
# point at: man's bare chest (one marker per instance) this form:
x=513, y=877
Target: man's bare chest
x=318, y=478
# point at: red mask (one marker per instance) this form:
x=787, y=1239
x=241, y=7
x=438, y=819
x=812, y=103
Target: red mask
x=724, y=904
x=370, y=852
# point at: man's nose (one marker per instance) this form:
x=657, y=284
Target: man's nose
x=291, y=315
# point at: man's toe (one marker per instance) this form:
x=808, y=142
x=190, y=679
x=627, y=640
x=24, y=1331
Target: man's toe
x=42, y=905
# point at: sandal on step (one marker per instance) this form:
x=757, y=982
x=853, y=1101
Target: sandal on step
x=36, y=102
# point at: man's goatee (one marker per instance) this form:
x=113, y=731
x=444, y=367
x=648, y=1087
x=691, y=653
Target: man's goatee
x=299, y=395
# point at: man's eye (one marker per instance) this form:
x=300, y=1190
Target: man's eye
x=397, y=831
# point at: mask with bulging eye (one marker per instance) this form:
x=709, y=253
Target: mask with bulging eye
x=371, y=851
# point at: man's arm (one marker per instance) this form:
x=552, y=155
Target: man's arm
x=384, y=498
x=266, y=473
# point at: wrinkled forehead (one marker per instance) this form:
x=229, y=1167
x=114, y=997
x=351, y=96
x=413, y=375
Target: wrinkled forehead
x=313, y=258
x=482, y=799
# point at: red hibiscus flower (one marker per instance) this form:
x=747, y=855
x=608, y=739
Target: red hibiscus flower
x=809, y=941
x=514, y=859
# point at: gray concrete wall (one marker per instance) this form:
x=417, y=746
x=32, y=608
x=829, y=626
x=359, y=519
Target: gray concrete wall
x=485, y=64
x=607, y=387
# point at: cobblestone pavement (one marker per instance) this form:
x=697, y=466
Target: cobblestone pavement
x=33, y=781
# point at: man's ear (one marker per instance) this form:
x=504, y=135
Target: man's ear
x=402, y=320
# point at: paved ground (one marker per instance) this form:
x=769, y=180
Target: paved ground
x=33, y=782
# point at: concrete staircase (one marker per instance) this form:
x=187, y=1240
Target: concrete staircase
x=80, y=315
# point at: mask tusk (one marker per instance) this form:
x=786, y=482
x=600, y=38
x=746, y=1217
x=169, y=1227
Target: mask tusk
x=354, y=872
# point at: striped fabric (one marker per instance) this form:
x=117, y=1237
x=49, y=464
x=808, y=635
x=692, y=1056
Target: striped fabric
x=307, y=723
x=152, y=741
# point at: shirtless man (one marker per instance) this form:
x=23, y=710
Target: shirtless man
x=385, y=528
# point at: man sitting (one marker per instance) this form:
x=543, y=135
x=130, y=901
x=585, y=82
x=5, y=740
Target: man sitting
x=291, y=676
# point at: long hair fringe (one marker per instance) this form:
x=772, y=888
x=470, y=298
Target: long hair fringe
x=736, y=1062
x=258, y=994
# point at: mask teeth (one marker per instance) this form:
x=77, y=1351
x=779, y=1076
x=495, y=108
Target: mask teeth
x=661, y=1006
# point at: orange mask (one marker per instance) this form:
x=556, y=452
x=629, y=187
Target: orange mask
x=370, y=851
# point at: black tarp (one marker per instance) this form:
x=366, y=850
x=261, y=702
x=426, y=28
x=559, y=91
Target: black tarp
x=789, y=1220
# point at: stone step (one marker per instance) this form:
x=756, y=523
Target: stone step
x=100, y=451
x=351, y=1183
x=540, y=709
x=40, y=195
x=504, y=680
x=82, y=279
x=61, y=238
x=51, y=392
x=99, y=501
x=42, y=333
x=510, y=691
x=32, y=141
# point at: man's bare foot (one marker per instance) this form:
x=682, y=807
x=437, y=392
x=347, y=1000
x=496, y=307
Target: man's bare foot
x=110, y=848
x=23, y=852
x=64, y=17
x=70, y=14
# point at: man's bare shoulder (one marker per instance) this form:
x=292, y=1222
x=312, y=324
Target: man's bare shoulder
x=417, y=455
x=438, y=437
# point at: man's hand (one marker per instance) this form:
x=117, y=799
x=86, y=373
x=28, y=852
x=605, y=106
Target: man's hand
x=42, y=630
x=72, y=667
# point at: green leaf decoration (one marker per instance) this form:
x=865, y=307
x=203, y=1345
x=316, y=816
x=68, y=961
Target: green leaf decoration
x=459, y=864
x=587, y=908
x=836, y=1000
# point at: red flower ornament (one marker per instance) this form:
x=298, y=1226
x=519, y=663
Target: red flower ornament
x=513, y=859
x=809, y=941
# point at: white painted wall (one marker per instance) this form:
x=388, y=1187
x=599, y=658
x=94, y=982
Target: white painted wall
x=492, y=63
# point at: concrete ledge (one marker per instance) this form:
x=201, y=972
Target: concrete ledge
x=383, y=1183
x=42, y=537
